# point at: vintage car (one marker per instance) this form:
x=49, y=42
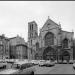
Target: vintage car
x=60, y=62
x=41, y=62
x=35, y=62
x=64, y=62
x=70, y=61
x=73, y=65
x=56, y=61
x=11, y=61
x=49, y=63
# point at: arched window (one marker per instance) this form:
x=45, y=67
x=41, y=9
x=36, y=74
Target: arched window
x=37, y=46
x=65, y=43
x=49, y=39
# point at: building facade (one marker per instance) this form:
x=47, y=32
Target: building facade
x=18, y=48
x=4, y=47
x=21, y=51
x=51, y=43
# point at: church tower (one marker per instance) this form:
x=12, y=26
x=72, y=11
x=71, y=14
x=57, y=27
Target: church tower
x=32, y=35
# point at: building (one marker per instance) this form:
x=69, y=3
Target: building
x=21, y=51
x=18, y=48
x=4, y=47
x=51, y=43
x=32, y=36
x=74, y=50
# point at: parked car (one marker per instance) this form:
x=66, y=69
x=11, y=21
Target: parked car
x=74, y=65
x=20, y=67
x=11, y=61
x=65, y=62
x=35, y=62
x=41, y=62
x=71, y=62
x=55, y=61
x=49, y=63
x=59, y=61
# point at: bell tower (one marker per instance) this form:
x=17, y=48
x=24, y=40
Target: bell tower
x=32, y=35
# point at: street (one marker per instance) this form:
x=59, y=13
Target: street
x=57, y=69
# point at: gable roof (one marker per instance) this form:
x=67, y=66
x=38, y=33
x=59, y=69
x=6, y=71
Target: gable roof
x=50, y=21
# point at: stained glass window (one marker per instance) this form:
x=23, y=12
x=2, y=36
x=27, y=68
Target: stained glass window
x=49, y=39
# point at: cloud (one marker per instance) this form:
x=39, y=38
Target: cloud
x=15, y=15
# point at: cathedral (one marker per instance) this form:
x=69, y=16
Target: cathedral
x=52, y=43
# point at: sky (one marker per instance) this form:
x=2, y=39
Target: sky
x=15, y=15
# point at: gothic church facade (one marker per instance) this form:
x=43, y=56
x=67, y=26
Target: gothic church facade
x=51, y=43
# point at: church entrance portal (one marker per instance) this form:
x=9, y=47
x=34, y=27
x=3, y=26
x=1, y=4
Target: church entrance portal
x=49, y=54
x=66, y=56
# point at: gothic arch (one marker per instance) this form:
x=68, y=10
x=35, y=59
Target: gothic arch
x=49, y=54
x=49, y=39
x=65, y=43
x=66, y=55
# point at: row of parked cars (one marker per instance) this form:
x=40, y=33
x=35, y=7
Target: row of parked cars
x=64, y=62
x=46, y=63
x=17, y=67
x=24, y=66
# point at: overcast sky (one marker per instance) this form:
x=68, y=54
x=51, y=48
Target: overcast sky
x=15, y=15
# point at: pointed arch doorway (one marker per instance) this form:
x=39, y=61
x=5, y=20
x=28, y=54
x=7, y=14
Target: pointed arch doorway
x=49, y=54
x=66, y=56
